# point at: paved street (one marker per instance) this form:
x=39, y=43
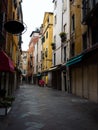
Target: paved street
x=38, y=108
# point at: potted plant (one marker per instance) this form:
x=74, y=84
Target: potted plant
x=6, y=104
x=9, y=98
x=63, y=36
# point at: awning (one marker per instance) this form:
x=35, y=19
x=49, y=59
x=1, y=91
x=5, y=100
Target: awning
x=52, y=68
x=6, y=63
x=74, y=60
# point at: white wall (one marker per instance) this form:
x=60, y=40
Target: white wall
x=57, y=28
x=66, y=21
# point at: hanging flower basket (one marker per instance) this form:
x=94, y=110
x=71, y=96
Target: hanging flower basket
x=63, y=36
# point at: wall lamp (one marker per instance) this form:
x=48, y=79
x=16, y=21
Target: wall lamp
x=15, y=27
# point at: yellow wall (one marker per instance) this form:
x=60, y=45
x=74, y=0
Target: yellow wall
x=48, y=28
x=78, y=32
x=12, y=40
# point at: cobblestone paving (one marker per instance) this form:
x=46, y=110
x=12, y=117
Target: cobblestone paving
x=43, y=108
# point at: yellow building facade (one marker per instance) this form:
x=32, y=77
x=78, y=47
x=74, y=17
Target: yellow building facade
x=47, y=38
x=12, y=46
x=75, y=26
x=12, y=49
x=83, y=64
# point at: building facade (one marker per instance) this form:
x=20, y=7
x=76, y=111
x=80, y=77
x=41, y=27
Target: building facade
x=32, y=57
x=83, y=66
x=74, y=44
x=61, y=38
x=10, y=50
x=24, y=67
x=47, y=36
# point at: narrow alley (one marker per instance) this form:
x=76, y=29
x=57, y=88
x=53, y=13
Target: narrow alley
x=43, y=108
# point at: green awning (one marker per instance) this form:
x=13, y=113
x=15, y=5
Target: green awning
x=74, y=60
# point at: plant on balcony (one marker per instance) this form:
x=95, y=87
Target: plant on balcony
x=53, y=45
x=63, y=36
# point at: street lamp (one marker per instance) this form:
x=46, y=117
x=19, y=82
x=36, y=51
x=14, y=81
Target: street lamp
x=15, y=27
x=12, y=25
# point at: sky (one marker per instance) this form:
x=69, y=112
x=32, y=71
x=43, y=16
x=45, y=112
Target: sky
x=33, y=14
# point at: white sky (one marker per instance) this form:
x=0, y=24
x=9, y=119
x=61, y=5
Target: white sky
x=33, y=14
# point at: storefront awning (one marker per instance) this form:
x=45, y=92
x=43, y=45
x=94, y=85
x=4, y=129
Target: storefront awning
x=74, y=60
x=6, y=63
x=52, y=68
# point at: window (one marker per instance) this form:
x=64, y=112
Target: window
x=2, y=19
x=64, y=54
x=55, y=19
x=73, y=23
x=72, y=49
x=46, y=52
x=85, y=7
x=95, y=35
x=48, y=20
x=43, y=39
x=41, y=66
x=15, y=4
x=46, y=34
x=54, y=59
x=64, y=5
x=64, y=28
x=55, y=4
x=43, y=55
x=71, y=1
x=54, y=38
x=84, y=36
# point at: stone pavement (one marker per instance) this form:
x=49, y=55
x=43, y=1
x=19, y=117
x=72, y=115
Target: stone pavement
x=43, y=108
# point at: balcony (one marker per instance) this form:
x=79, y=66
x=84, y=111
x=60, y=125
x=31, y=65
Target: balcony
x=89, y=10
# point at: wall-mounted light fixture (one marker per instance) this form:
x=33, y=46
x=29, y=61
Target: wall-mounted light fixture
x=15, y=27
